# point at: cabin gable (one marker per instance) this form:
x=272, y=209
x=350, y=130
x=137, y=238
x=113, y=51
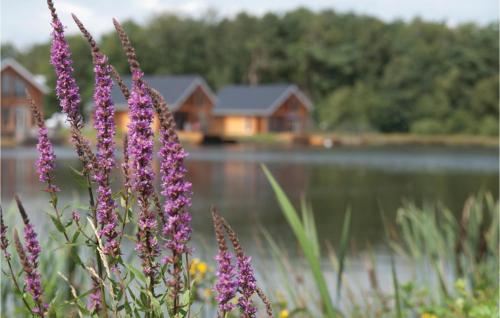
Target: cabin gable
x=195, y=112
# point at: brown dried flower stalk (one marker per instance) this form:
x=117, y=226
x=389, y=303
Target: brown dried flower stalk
x=120, y=82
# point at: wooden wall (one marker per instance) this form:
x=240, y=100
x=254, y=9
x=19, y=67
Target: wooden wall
x=10, y=101
x=291, y=116
x=197, y=109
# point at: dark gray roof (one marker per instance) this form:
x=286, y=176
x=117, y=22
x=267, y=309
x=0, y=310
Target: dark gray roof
x=174, y=88
x=255, y=99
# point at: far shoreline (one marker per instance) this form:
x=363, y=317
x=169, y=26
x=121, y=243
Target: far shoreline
x=313, y=140
x=371, y=139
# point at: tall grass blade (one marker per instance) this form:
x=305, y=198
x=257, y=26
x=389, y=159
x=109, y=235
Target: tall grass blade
x=305, y=243
x=310, y=225
x=279, y=259
x=395, y=282
x=344, y=242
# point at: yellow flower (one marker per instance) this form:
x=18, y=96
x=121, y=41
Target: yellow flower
x=428, y=315
x=193, y=265
x=202, y=267
x=284, y=313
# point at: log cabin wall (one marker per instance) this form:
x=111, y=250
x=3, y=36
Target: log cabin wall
x=16, y=119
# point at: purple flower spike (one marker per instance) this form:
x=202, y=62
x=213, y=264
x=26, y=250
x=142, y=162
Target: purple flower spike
x=105, y=127
x=227, y=283
x=141, y=137
x=29, y=260
x=45, y=162
x=29, y=263
x=33, y=284
x=248, y=286
x=67, y=90
x=177, y=194
x=95, y=297
x=32, y=245
x=141, y=155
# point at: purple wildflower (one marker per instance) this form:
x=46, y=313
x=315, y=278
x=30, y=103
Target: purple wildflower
x=141, y=137
x=29, y=261
x=30, y=268
x=176, y=219
x=176, y=191
x=45, y=162
x=105, y=127
x=141, y=155
x=67, y=90
x=248, y=285
x=95, y=297
x=75, y=216
x=32, y=244
x=227, y=284
x=33, y=284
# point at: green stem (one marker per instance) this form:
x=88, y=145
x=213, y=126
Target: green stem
x=98, y=258
x=127, y=195
x=13, y=276
x=53, y=201
x=188, y=281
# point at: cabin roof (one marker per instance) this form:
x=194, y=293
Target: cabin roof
x=256, y=99
x=174, y=88
x=24, y=73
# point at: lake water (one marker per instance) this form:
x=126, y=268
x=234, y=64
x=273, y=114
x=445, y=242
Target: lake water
x=364, y=179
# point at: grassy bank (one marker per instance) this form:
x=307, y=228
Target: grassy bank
x=316, y=139
x=371, y=139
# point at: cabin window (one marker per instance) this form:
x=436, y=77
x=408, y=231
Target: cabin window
x=6, y=79
x=19, y=88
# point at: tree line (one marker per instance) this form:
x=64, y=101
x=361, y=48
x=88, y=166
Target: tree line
x=362, y=73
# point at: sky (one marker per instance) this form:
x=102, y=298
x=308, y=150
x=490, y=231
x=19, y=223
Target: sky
x=24, y=22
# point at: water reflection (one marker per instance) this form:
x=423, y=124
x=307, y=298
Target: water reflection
x=364, y=179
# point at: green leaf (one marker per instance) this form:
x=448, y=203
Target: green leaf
x=395, y=282
x=75, y=236
x=305, y=243
x=59, y=226
x=344, y=242
x=137, y=273
x=310, y=225
x=78, y=177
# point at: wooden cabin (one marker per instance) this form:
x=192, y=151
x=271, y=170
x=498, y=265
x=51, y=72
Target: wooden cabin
x=243, y=110
x=16, y=120
x=188, y=96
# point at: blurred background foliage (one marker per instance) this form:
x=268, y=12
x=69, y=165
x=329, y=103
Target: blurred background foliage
x=363, y=74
